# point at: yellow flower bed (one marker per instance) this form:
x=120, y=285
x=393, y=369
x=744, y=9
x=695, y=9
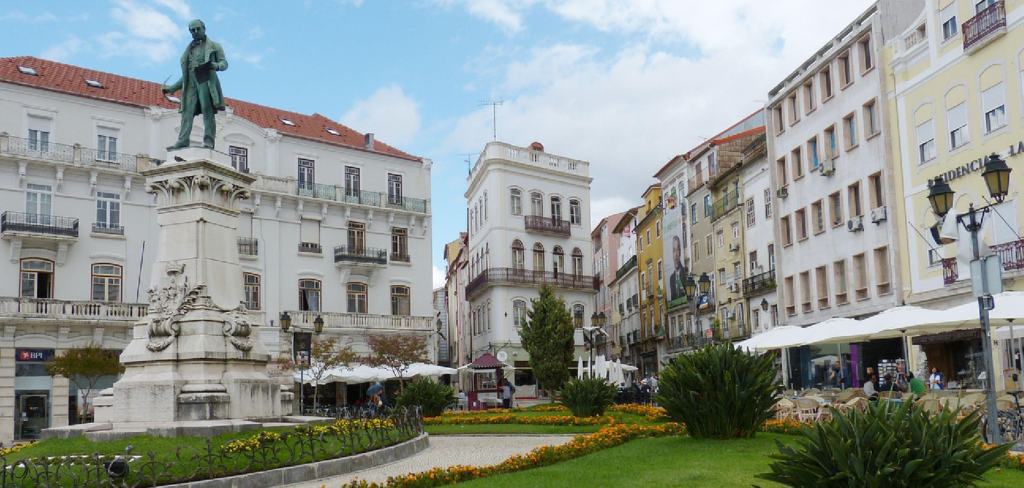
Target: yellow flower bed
x=13, y=449
x=581, y=445
x=338, y=427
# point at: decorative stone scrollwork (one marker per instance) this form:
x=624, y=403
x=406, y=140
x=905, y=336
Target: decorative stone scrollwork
x=237, y=328
x=169, y=302
x=196, y=189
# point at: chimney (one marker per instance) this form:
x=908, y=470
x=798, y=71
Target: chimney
x=368, y=140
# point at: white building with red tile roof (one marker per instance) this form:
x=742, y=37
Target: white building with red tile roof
x=337, y=226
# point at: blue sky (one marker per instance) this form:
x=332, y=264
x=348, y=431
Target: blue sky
x=623, y=84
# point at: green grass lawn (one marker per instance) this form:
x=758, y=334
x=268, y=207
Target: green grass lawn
x=672, y=461
x=508, y=429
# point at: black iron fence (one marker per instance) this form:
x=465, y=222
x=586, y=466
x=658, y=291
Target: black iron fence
x=367, y=255
x=38, y=224
x=533, y=278
x=549, y=225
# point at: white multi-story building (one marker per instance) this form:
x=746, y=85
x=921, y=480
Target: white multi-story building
x=529, y=225
x=625, y=320
x=835, y=239
x=81, y=235
x=759, y=287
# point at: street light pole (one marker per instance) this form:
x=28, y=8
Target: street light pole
x=984, y=304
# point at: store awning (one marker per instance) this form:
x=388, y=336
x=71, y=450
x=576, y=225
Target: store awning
x=1009, y=309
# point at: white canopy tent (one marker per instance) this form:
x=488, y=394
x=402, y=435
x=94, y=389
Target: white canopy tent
x=779, y=337
x=366, y=374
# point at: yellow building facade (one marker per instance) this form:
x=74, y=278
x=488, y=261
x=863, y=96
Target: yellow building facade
x=955, y=96
x=652, y=297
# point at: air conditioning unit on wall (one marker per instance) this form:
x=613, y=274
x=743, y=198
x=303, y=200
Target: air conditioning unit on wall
x=855, y=224
x=878, y=215
x=734, y=247
x=828, y=167
x=782, y=192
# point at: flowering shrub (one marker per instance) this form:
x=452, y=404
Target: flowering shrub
x=508, y=418
x=13, y=449
x=1011, y=461
x=549, y=408
x=788, y=427
x=252, y=443
x=338, y=427
x=581, y=445
x=653, y=414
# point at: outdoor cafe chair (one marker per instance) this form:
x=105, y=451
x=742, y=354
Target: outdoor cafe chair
x=807, y=409
x=784, y=409
x=932, y=405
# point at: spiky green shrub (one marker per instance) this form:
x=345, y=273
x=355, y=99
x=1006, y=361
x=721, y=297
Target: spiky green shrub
x=588, y=397
x=719, y=392
x=887, y=446
x=430, y=396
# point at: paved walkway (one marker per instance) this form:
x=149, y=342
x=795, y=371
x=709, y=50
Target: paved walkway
x=447, y=451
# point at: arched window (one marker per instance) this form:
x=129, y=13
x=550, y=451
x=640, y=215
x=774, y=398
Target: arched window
x=356, y=298
x=106, y=282
x=559, y=260
x=309, y=295
x=536, y=204
x=575, y=212
x=516, y=201
x=36, y=278
x=400, y=300
x=518, y=313
x=556, y=208
x=538, y=257
x=577, y=262
x=577, y=311
x=485, y=206
x=518, y=255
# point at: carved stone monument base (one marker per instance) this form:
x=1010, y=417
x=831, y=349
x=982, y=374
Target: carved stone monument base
x=195, y=356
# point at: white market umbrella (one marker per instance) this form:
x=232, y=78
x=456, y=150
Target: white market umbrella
x=1009, y=308
x=777, y=338
x=579, y=368
x=424, y=369
x=908, y=320
x=627, y=367
x=833, y=330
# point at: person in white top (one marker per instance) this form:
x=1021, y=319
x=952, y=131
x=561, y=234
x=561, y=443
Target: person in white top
x=869, y=387
x=935, y=379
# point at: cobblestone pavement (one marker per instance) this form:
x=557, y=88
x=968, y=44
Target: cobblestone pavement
x=446, y=451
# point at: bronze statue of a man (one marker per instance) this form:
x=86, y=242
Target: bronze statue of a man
x=199, y=85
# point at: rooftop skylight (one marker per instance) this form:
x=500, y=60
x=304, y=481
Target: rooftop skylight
x=287, y=122
x=93, y=83
x=25, y=70
x=332, y=131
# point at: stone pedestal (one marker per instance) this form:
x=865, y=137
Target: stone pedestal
x=195, y=356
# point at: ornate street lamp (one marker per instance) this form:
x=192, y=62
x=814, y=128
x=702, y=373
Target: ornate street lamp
x=704, y=283
x=318, y=325
x=286, y=321
x=940, y=197
x=577, y=319
x=997, y=177
x=764, y=304
x=689, y=287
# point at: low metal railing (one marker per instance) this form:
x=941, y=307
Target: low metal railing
x=316, y=190
x=400, y=257
x=1010, y=253
x=759, y=283
x=110, y=229
x=532, y=278
x=625, y=268
x=365, y=255
x=311, y=247
x=38, y=224
x=248, y=246
x=547, y=224
x=984, y=24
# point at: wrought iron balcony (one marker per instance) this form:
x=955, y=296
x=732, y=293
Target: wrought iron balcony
x=360, y=197
x=406, y=203
x=984, y=27
x=1010, y=253
x=724, y=205
x=360, y=255
x=547, y=225
x=248, y=246
x=316, y=190
x=311, y=247
x=625, y=268
x=759, y=283
x=523, y=277
x=38, y=225
x=109, y=159
x=47, y=308
x=362, y=321
x=109, y=229
x=400, y=257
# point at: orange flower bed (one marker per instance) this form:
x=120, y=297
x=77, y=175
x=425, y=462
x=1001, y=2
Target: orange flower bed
x=549, y=408
x=581, y=445
x=508, y=418
x=653, y=414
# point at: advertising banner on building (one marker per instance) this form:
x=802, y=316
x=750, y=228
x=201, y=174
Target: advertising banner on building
x=673, y=226
x=303, y=343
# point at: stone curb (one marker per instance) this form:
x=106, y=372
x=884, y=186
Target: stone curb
x=313, y=471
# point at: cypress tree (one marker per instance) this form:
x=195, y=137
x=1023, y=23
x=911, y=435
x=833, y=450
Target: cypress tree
x=548, y=337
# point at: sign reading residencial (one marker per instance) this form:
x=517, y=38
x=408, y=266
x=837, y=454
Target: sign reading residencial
x=977, y=164
x=33, y=355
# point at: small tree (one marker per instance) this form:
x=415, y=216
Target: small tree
x=325, y=355
x=85, y=366
x=548, y=337
x=396, y=352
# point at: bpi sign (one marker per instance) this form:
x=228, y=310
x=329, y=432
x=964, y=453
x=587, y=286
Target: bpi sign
x=33, y=355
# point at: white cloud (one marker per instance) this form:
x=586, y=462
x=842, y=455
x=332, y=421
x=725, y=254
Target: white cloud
x=439, y=277
x=389, y=113
x=63, y=51
x=144, y=31
x=507, y=14
x=255, y=33
x=629, y=111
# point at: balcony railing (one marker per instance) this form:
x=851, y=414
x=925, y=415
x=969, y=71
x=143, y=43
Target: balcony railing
x=696, y=182
x=984, y=27
x=1010, y=253
x=362, y=321
x=248, y=246
x=47, y=308
x=311, y=247
x=724, y=205
x=17, y=146
x=47, y=225
x=316, y=190
x=548, y=225
x=361, y=255
x=108, y=159
x=360, y=197
x=492, y=276
x=759, y=283
x=625, y=268
x=400, y=257
x=109, y=229
x=406, y=203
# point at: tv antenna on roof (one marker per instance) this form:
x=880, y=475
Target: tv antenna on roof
x=494, y=114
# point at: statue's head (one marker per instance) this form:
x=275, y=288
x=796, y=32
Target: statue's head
x=197, y=28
